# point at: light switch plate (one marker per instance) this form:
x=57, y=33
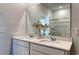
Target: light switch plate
x=77, y=31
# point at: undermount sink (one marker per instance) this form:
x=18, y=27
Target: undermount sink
x=49, y=41
x=45, y=40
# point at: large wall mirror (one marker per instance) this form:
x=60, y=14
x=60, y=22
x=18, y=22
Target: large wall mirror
x=49, y=19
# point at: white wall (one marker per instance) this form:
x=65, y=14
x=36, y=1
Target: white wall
x=10, y=15
x=75, y=24
x=21, y=28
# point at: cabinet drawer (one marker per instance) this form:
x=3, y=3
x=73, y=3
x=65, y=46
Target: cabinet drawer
x=33, y=52
x=47, y=50
x=22, y=43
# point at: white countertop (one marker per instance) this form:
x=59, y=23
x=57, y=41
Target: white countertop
x=59, y=44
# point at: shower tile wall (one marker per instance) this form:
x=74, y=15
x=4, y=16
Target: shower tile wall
x=61, y=22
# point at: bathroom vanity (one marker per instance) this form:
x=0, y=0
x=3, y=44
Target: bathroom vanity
x=45, y=20
x=34, y=46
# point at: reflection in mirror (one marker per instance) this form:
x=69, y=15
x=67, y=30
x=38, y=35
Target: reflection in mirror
x=49, y=19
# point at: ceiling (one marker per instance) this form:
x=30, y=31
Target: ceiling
x=55, y=6
x=51, y=6
x=27, y=5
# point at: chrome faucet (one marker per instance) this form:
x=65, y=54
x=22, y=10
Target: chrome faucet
x=53, y=39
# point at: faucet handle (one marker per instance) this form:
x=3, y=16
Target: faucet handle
x=31, y=35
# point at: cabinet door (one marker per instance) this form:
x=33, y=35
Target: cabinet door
x=19, y=50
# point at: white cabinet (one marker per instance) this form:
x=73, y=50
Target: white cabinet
x=25, y=48
x=20, y=47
